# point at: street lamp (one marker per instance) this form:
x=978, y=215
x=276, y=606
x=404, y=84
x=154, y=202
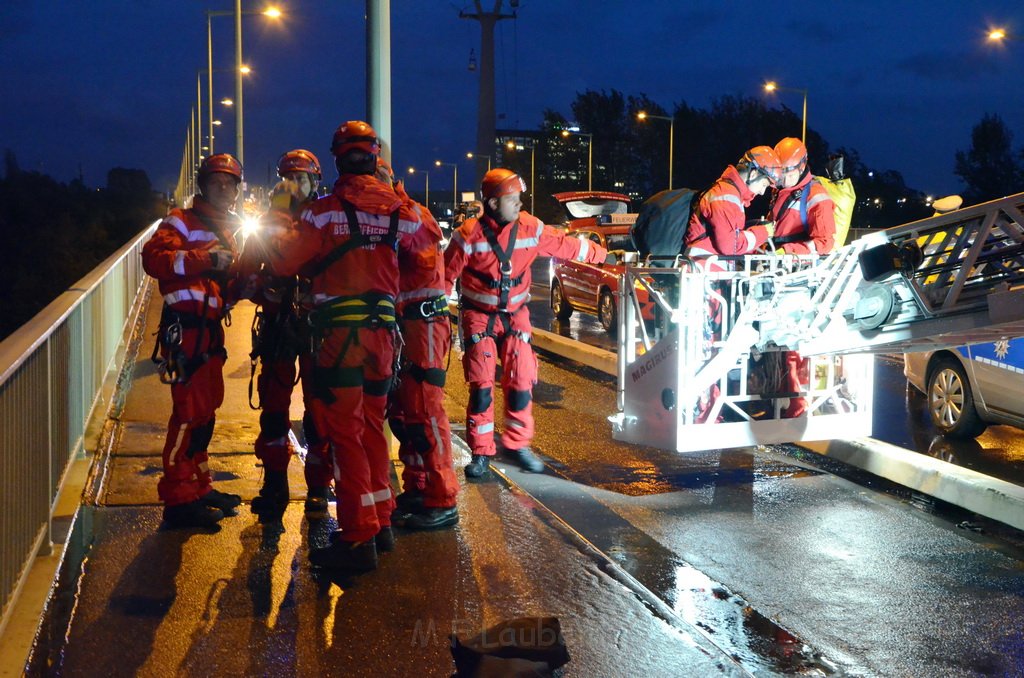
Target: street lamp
x=772, y=86
x=470, y=155
x=513, y=146
x=642, y=115
x=426, y=199
x=590, y=152
x=455, y=182
x=240, y=70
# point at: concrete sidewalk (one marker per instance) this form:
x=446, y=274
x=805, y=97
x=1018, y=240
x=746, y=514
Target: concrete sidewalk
x=243, y=600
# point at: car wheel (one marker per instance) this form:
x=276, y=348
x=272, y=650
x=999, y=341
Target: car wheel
x=607, y=312
x=950, y=401
x=559, y=306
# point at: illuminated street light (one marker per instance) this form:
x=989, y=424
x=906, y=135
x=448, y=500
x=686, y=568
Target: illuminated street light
x=426, y=199
x=455, y=182
x=590, y=152
x=227, y=102
x=643, y=115
x=470, y=155
x=240, y=70
x=772, y=86
x=513, y=146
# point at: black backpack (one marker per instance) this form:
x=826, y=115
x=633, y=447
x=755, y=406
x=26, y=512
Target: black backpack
x=660, y=226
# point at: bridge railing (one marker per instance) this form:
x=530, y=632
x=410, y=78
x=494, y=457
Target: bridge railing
x=52, y=371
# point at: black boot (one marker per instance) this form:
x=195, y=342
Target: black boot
x=385, y=540
x=317, y=501
x=227, y=503
x=193, y=514
x=270, y=504
x=527, y=460
x=409, y=501
x=346, y=555
x=433, y=518
x=479, y=466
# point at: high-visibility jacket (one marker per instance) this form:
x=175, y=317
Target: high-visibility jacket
x=471, y=250
x=804, y=217
x=324, y=226
x=718, y=224
x=178, y=257
x=421, y=272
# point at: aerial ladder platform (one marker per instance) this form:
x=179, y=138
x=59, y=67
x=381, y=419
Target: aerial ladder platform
x=945, y=281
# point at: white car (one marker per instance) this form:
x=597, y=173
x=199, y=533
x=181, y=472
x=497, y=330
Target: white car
x=970, y=387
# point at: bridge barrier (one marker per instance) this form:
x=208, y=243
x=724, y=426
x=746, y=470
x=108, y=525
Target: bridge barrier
x=52, y=374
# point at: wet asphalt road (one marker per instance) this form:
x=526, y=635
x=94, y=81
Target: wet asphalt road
x=788, y=567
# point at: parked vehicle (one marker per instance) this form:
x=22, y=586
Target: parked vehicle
x=603, y=218
x=970, y=387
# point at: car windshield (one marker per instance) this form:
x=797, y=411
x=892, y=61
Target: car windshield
x=620, y=242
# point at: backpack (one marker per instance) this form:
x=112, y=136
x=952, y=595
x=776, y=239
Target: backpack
x=660, y=226
x=844, y=198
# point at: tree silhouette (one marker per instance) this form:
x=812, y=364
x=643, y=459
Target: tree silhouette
x=989, y=169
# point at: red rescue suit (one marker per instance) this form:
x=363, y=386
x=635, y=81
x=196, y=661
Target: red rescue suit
x=417, y=415
x=494, y=264
x=718, y=227
x=804, y=217
x=195, y=299
x=352, y=236
x=281, y=332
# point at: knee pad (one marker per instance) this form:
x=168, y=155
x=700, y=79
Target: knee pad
x=418, y=437
x=480, y=400
x=312, y=435
x=274, y=425
x=518, y=400
x=201, y=436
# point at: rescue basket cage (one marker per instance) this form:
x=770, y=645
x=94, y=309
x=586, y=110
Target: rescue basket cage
x=944, y=281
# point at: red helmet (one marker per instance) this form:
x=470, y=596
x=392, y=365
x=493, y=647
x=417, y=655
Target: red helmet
x=763, y=158
x=355, y=135
x=299, y=160
x=792, y=155
x=500, y=181
x=221, y=162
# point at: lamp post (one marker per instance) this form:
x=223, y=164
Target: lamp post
x=426, y=174
x=455, y=182
x=590, y=152
x=642, y=115
x=240, y=70
x=772, y=86
x=513, y=146
x=470, y=155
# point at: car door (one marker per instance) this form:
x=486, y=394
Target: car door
x=999, y=372
x=590, y=275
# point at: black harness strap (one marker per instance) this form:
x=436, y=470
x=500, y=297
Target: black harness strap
x=504, y=257
x=357, y=238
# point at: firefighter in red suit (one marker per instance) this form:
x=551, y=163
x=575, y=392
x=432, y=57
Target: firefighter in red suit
x=280, y=335
x=352, y=238
x=718, y=226
x=804, y=216
x=190, y=254
x=491, y=255
x=416, y=413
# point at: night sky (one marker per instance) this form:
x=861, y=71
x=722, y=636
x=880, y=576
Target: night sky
x=92, y=85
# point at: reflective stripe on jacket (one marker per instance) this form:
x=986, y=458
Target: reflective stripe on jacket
x=178, y=257
x=470, y=249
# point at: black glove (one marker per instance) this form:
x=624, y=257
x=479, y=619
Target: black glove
x=220, y=260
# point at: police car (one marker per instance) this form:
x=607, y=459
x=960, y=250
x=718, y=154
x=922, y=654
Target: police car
x=970, y=387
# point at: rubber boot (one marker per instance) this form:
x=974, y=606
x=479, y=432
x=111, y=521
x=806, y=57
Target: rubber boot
x=270, y=504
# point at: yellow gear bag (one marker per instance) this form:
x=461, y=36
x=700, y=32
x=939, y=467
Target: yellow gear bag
x=843, y=198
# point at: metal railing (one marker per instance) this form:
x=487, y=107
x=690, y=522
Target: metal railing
x=52, y=371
